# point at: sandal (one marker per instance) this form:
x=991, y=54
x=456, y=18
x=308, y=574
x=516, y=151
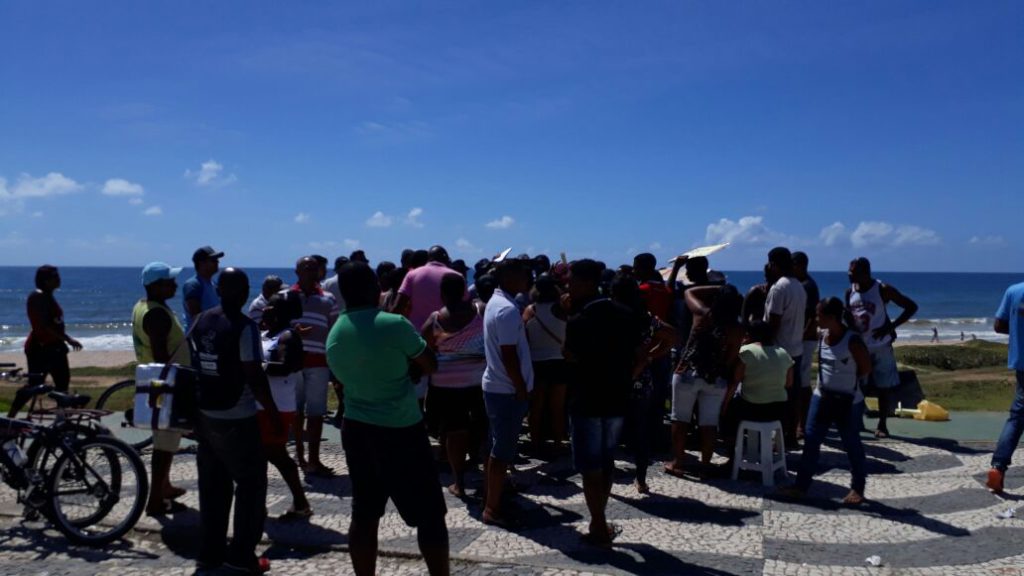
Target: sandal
x=293, y=515
x=881, y=434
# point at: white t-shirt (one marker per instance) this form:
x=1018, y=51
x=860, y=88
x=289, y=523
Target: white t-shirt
x=787, y=298
x=282, y=388
x=503, y=326
x=331, y=285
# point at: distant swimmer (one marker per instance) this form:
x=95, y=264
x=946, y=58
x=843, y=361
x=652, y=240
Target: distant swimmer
x=866, y=300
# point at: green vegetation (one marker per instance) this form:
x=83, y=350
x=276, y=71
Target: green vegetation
x=124, y=372
x=970, y=377
x=969, y=355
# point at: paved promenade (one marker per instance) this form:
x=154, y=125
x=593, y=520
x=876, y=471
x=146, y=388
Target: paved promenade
x=929, y=513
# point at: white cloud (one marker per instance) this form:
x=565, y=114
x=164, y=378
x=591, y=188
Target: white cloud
x=53, y=184
x=987, y=241
x=833, y=233
x=136, y=201
x=466, y=247
x=153, y=211
x=502, y=223
x=379, y=220
x=210, y=175
x=915, y=236
x=331, y=245
x=746, y=230
x=37, y=214
x=870, y=233
x=883, y=233
x=301, y=218
x=412, y=219
x=654, y=246
x=122, y=187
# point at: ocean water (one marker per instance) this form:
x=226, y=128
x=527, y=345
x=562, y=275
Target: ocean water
x=97, y=302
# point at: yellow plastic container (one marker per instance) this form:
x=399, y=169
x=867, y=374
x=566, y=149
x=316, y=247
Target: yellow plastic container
x=931, y=411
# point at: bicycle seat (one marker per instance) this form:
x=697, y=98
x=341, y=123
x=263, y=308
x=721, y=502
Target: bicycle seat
x=65, y=400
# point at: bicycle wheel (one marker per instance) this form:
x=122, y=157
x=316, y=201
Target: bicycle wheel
x=120, y=399
x=97, y=490
x=42, y=460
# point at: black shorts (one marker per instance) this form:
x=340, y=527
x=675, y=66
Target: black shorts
x=457, y=409
x=394, y=463
x=549, y=373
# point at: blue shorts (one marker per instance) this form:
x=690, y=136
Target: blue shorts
x=884, y=373
x=311, y=391
x=505, y=415
x=593, y=442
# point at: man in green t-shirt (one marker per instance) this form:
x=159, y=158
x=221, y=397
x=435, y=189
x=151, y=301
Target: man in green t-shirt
x=386, y=447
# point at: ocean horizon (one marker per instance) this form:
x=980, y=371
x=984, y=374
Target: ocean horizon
x=97, y=301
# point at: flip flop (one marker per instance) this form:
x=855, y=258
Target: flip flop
x=319, y=471
x=293, y=515
x=174, y=493
x=167, y=507
x=671, y=471
x=596, y=541
x=502, y=522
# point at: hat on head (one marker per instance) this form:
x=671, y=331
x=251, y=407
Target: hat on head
x=206, y=253
x=156, y=271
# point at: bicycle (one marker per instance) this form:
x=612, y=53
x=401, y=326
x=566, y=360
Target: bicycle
x=94, y=492
x=123, y=394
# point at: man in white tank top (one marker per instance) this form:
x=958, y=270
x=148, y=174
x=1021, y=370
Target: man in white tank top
x=866, y=299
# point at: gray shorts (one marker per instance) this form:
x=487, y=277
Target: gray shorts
x=688, y=390
x=311, y=391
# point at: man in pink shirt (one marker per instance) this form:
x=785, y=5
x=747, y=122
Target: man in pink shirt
x=420, y=293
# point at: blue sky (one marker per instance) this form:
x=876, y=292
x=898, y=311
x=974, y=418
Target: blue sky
x=139, y=131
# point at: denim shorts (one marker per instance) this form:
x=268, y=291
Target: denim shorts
x=505, y=415
x=593, y=442
x=311, y=391
x=688, y=390
x=884, y=373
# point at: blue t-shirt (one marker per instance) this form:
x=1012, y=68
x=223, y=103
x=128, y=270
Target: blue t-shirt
x=201, y=289
x=1011, y=311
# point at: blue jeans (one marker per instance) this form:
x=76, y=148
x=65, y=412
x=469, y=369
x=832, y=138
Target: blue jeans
x=505, y=415
x=847, y=416
x=1012, y=430
x=594, y=440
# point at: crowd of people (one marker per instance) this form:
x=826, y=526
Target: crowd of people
x=587, y=356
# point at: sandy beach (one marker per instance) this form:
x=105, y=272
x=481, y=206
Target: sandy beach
x=101, y=358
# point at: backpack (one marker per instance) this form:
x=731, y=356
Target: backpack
x=216, y=357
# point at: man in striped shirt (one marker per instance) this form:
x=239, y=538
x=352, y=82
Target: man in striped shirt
x=319, y=311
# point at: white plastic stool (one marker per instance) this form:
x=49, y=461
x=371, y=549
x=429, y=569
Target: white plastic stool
x=759, y=446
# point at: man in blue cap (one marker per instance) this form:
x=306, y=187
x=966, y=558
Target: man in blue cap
x=158, y=337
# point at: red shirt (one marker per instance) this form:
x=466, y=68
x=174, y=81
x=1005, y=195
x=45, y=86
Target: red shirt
x=657, y=298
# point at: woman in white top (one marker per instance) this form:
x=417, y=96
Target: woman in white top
x=837, y=399
x=282, y=350
x=545, y=328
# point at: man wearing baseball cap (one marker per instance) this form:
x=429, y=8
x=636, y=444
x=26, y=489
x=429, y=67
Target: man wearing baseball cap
x=200, y=292
x=158, y=337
